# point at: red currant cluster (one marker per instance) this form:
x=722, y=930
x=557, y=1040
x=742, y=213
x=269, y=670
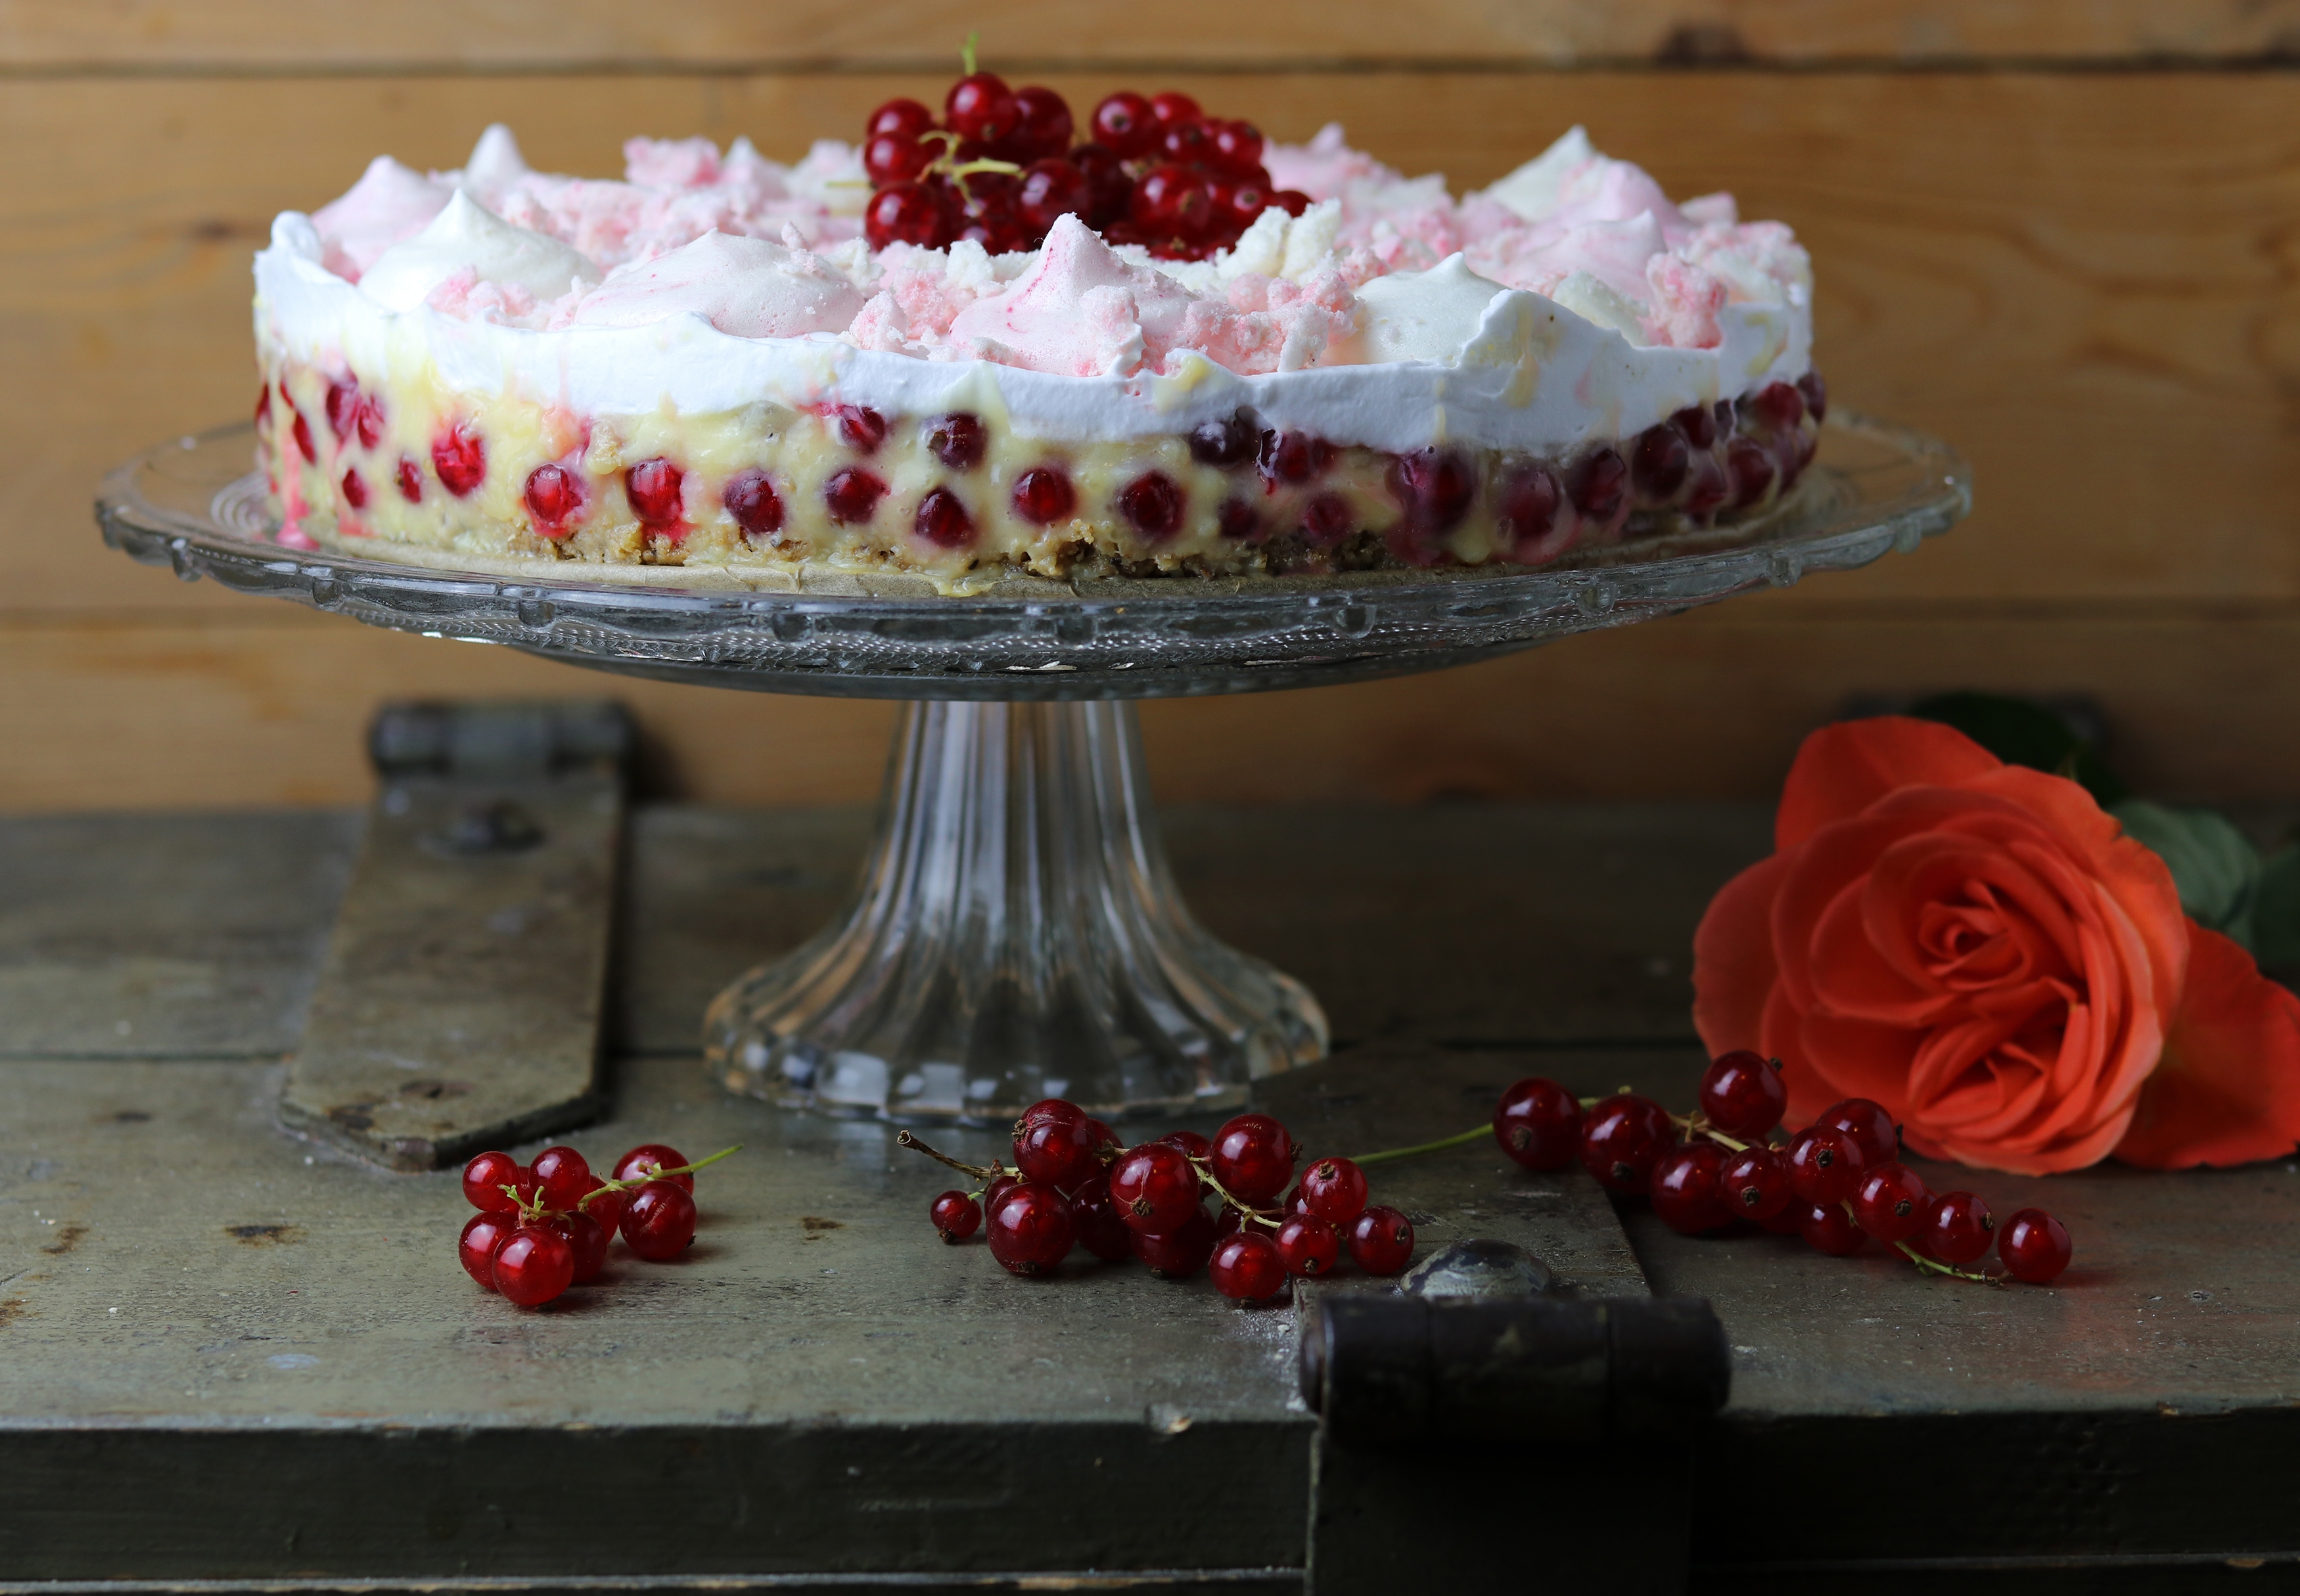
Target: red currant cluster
x=1074, y=1183
x=544, y=1226
x=1001, y=169
x=1837, y=1183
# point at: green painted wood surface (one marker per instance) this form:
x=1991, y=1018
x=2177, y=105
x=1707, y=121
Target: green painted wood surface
x=846, y=1395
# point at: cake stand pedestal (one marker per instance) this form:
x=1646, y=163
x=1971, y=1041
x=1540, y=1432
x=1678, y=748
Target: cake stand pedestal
x=1016, y=933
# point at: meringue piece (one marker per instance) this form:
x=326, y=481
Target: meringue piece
x=1589, y=298
x=1425, y=315
x=1080, y=310
x=745, y=286
x=495, y=166
x=1537, y=187
x=467, y=235
x=390, y=203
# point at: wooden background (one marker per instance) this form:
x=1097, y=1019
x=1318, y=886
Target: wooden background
x=2063, y=234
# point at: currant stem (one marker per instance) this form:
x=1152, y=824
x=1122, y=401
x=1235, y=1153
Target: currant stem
x=625, y=1185
x=1937, y=1267
x=1207, y=1174
x=1386, y=1156
x=966, y=51
x=904, y=1139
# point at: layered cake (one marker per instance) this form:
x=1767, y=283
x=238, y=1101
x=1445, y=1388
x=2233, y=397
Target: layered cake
x=989, y=342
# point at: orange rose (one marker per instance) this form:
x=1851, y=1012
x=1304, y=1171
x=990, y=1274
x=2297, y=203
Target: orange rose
x=1979, y=948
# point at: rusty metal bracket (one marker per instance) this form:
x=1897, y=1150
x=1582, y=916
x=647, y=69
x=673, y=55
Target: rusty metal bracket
x=462, y=998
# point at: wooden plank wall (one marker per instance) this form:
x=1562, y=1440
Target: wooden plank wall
x=2064, y=234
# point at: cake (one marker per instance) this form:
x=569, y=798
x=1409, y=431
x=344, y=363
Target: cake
x=989, y=344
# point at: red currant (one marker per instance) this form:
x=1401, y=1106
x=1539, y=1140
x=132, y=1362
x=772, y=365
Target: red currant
x=981, y=107
x=852, y=495
x=1236, y=147
x=587, y=1240
x=1186, y=144
x=644, y=1159
x=483, y=1236
x=1171, y=105
x=1435, y=488
x=1170, y=201
x=1052, y=1145
x=1292, y=200
x=1253, y=1157
x=1043, y=495
x=1335, y=1189
x=1125, y=124
x=1622, y=1140
x=997, y=1188
x=958, y=440
x=563, y=1176
x=1102, y=1230
x=1104, y=1141
x=1246, y=1267
x=752, y=500
x=659, y=1224
x=955, y=1216
x=1816, y=404
x=1309, y=1245
x=1892, y=1201
x=1151, y=505
x=534, y=1266
x=907, y=213
x=1659, y=461
x=1788, y=1220
x=2034, y=1245
x=941, y=519
x=1825, y=1164
x=1043, y=126
x=1381, y=1241
x=895, y=158
x=1111, y=187
x=1529, y=507
x=552, y=494
x=907, y=118
x=607, y=1207
x=1778, y=407
x=484, y=1179
x=1754, y=1185
x=460, y=456
x=1957, y=1228
x=1181, y=1252
x=1538, y=1124
x=1155, y=1187
x=653, y=487
x=1232, y=1220
x=302, y=431
x=1030, y=1228
x=1684, y=1188
x=1598, y=485
x=1294, y=456
x=1872, y=1128
x=1191, y=1143
x=1743, y=1094
x=1751, y=469
x=1828, y=1228
x=1051, y=190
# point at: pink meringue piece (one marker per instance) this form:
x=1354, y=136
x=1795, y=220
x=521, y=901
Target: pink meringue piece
x=745, y=286
x=1080, y=310
x=390, y=203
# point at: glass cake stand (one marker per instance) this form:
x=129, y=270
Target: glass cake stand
x=1016, y=933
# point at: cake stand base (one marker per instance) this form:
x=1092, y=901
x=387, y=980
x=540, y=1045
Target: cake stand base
x=1016, y=935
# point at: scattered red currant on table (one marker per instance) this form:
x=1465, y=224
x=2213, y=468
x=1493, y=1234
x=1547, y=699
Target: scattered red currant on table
x=547, y=1225
x=1073, y=1183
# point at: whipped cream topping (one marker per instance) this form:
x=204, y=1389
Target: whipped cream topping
x=1570, y=300
x=747, y=287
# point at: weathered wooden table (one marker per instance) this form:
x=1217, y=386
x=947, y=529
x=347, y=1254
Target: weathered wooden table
x=231, y=1357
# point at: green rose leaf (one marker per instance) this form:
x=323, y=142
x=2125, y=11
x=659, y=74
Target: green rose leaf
x=2022, y=733
x=2216, y=869
x=2276, y=912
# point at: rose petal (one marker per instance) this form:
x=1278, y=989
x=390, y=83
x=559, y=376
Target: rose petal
x=2228, y=1091
x=1841, y=769
x=1733, y=964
